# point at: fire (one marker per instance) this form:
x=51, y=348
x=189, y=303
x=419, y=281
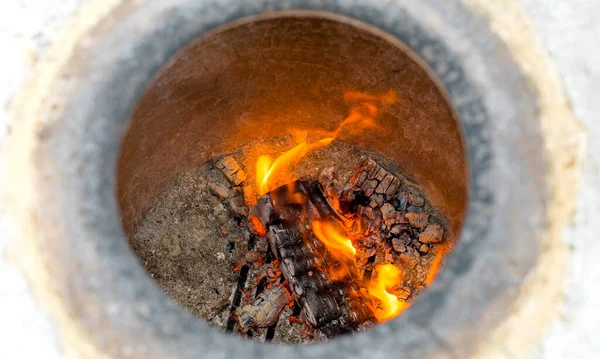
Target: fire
x=433, y=271
x=365, y=107
x=283, y=165
x=272, y=173
x=336, y=242
x=387, y=276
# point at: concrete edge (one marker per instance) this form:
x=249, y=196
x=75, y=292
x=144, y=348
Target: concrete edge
x=542, y=294
x=26, y=108
x=564, y=143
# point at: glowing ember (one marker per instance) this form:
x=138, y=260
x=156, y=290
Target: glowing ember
x=433, y=271
x=334, y=240
x=387, y=276
x=257, y=226
x=272, y=174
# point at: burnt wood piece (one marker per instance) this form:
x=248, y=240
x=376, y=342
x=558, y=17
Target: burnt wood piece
x=326, y=303
x=394, y=221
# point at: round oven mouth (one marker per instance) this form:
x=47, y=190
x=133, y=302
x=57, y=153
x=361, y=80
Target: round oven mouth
x=251, y=88
x=118, y=306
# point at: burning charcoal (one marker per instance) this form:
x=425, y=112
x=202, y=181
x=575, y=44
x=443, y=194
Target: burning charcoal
x=281, y=237
x=369, y=213
x=364, y=224
x=219, y=190
x=414, y=209
x=361, y=179
x=418, y=220
x=416, y=200
x=371, y=240
x=232, y=170
x=298, y=266
x=237, y=204
x=395, y=231
x=253, y=257
x=371, y=168
x=392, y=189
x=369, y=187
x=434, y=233
x=385, y=183
x=265, y=310
x=396, y=218
x=378, y=199
x=399, y=202
x=424, y=248
x=387, y=211
x=316, y=282
x=376, y=222
x=263, y=211
x=381, y=174
x=399, y=245
x=371, y=251
x=347, y=195
x=293, y=251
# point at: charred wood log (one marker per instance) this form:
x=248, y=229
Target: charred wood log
x=326, y=302
x=394, y=219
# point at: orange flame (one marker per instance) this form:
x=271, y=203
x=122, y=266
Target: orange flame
x=387, y=276
x=433, y=270
x=336, y=242
x=274, y=173
x=266, y=167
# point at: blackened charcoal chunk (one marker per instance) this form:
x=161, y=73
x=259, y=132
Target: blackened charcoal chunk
x=397, y=230
x=399, y=202
x=434, y=233
x=416, y=199
x=388, y=211
x=414, y=209
x=418, y=220
x=232, y=170
x=400, y=244
x=392, y=188
x=376, y=223
x=381, y=174
x=320, y=309
x=369, y=187
x=385, y=183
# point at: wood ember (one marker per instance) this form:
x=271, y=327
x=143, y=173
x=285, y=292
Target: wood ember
x=388, y=218
x=395, y=224
x=326, y=304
